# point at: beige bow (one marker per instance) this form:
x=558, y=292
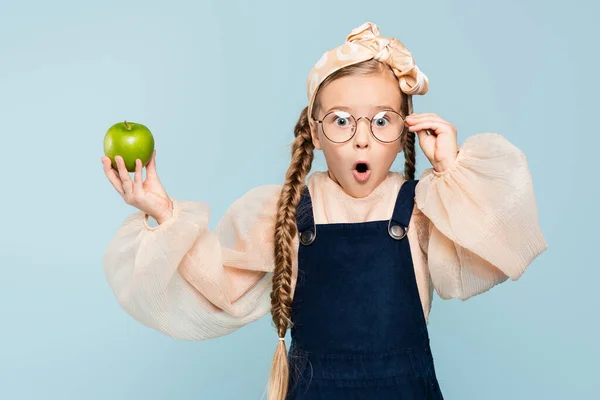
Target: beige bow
x=393, y=53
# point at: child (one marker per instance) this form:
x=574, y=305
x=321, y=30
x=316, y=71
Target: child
x=348, y=259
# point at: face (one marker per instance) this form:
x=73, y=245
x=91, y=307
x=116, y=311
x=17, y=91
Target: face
x=361, y=96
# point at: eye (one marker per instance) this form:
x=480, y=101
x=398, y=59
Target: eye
x=380, y=122
x=380, y=119
x=342, y=121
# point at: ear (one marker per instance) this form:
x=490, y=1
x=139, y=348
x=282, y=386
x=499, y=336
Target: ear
x=314, y=133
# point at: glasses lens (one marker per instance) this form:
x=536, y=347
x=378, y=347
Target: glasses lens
x=339, y=126
x=387, y=125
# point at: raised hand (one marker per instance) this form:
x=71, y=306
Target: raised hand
x=148, y=196
x=441, y=147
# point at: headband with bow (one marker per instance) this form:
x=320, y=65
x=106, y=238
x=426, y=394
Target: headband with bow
x=362, y=44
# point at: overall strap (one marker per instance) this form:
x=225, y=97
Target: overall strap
x=398, y=224
x=305, y=218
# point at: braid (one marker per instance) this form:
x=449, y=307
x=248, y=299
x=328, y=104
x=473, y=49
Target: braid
x=285, y=231
x=409, y=145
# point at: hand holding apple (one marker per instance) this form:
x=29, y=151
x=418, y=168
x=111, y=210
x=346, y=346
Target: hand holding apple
x=148, y=196
x=128, y=148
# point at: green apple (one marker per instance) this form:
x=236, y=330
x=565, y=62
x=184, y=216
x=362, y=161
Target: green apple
x=131, y=141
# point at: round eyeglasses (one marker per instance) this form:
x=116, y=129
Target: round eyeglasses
x=340, y=126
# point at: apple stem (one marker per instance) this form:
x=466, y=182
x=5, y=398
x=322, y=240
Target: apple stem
x=127, y=126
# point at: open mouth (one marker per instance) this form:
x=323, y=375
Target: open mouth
x=361, y=166
x=361, y=171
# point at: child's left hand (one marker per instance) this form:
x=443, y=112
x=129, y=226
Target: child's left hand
x=441, y=147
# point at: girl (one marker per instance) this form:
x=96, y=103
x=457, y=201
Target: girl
x=348, y=259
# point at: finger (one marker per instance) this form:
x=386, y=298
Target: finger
x=137, y=176
x=106, y=162
x=111, y=174
x=124, y=175
x=427, y=119
x=422, y=135
x=151, y=167
x=138, y=188
x=416, y=115
x=432, y=118
x=436, y=126
x=421, y=118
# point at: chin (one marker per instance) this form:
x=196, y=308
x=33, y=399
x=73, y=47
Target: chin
x=360, y=189
x=354, y=188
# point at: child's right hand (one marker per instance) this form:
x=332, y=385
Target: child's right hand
x=148, y=196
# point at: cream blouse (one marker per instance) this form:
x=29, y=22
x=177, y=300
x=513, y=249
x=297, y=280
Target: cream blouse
x=473, y=226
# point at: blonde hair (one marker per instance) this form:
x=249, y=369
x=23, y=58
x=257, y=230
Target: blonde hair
x=285, y=226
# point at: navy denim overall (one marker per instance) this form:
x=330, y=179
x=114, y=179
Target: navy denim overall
x=359, y=331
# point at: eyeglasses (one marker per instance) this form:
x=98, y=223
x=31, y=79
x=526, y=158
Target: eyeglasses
x=340, y=126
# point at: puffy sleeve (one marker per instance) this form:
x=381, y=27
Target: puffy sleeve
x=192, y=283
x=481, y=218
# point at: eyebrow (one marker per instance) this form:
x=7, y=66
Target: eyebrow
x=379, y=107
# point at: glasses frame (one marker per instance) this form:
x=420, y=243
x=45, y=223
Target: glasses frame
x=320, y=121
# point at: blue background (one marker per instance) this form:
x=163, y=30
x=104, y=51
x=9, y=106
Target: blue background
x=69, y=70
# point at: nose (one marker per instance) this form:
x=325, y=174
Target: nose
x=362, y=136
